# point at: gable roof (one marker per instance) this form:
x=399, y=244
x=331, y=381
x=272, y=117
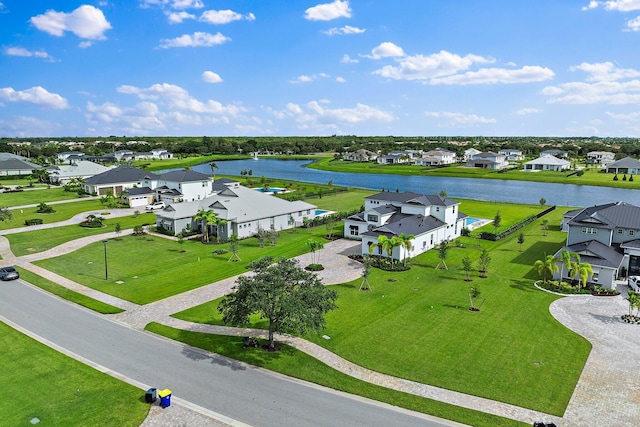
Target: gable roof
x=625, y=163
x=17, y=164
x=412, y=198
x=407, y=224
x=610, y=215
x=597, y=254
x=121, y=174
x=548, y=159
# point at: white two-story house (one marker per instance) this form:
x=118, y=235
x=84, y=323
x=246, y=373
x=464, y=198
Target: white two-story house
x=430, y=219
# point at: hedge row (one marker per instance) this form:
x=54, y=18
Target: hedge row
x=488, y=235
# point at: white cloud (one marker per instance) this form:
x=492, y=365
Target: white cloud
x=36, y=95
x=527, y=111
x=385, y=50
x=458, y=119
x=219, y=17
x=211, y=77
x=347, y=29
x=328, y=11
x=631, y=117
x=420, y=67
x=347, y=60
x=340, y=80
x=592, y=5
x=24, y=126
x=85, y=44
x=309, y=78
x=634, y=24
x=173, y=4
x=138, y=119
x=622, y=5
x=86, y=22
x=604, y=83
x=175, y=97
x=605, y=71
x=20, y=51
x=526, y=74
x=197, y=39
x=179, y=17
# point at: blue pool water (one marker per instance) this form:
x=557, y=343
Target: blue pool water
x=270, y=190
x=320, y=212
x=470, y=220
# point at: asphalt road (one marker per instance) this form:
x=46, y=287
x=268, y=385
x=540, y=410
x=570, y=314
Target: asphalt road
x=239, y=391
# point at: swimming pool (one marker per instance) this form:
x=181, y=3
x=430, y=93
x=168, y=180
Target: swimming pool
x=270, y=190
x=322, y=212
x=470, y=220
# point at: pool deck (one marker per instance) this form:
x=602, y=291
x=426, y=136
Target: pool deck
x=479, y=223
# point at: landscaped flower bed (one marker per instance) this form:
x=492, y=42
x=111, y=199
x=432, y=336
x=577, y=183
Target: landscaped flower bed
x=629, y=318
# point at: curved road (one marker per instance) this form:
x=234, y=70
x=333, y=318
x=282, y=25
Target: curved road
x=242, y=392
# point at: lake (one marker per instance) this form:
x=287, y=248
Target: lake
x=469, y=188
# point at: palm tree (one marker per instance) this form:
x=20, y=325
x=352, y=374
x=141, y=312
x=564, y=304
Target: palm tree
x=206, y=218
x=565, y=257
x=384, y=244
x=634, y=302
x=213, y=167
x=407, y=244
x=547, y=265
x=545, y=226
x=581, y=270
x=218, y=222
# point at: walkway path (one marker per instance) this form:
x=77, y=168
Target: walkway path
x=605, y=387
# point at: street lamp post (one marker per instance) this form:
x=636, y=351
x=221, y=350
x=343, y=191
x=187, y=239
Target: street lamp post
x=106, y=268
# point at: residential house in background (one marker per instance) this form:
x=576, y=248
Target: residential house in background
x=399, y=157
x=245, y=210
x=600, y=157
x=431, y=219
x=12, y=164
x=547, y=163
x=512, y=155
x=65, y=155
x=556, y=153
x=62, y=174
x=183, y=186
x=119, y=179
x=469, y=153
x=488, y=160
x=627, y=166
x=360, y=155
x=605, y=236
x=436, y=158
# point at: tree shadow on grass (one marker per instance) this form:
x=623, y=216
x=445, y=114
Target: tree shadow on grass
x=522, y=285
x=456, y=307
x=536, y=252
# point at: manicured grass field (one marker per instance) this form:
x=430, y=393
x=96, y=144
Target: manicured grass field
x=42, y=383
x=294, y=363
x=41, y=240
x=353, y=199
x=416, y=325
x=153, y=268
x=63, y=211
x=68, y=294
x=592, y=176
x=30, y=197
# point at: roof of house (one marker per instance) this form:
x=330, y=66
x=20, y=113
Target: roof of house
x=554, y=151
x=487, y=154
x=184, y=175
x=223, y=183
x=79, y=168
x=610, y=215
x=17, y=165
x=240, y=204
x=119, y=175
x=625, y=163
x=548, y=159
x=139, y=191
x=410, y=197
x=597, y=254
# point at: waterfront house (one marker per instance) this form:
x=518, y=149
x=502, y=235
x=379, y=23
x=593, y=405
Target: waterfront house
x=547, y=163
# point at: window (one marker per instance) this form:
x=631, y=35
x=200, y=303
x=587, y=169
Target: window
x=372, y=218
x=589, y=230
x=437, y=208
x=272, y=222
x=594, y=278
x=620, y=231
x=632, y=232
x=353, y=230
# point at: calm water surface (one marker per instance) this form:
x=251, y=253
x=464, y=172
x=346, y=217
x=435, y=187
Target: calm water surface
x=469, y=188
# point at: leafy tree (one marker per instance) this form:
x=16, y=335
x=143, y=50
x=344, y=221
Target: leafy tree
x=443, y=251
x=443, y=193
x=5, y=214
x=520, y=241
x=496, y=221
x=262, y=235
x=180, y=240
x=542, y=202
x=483, y=262
x=466, y=267
x=314, y=246
x=366, y=271
x=330, y=225
x=545, y=266
x=474, y=293
x=233, y=247
x=545, y=226
x=206, y=218
x=213, y=167
x=273, y=236
x=118, y=229
x=288, y=297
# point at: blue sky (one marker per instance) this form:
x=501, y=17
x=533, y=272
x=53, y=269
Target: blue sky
x=355, y=67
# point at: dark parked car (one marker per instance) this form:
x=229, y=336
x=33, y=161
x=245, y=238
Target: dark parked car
x=9, y=273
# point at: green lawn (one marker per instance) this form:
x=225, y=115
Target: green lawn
x=592, y=176
x=30, y=197
x=161, y=270
x=41, y=240
x=68, y=294
x=63, y=211
x=294, y=363
x=512, y=350
x=40, y=382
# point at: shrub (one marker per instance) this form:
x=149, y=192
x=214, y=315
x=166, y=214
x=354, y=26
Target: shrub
x=44, y=208
x=220, y=251
x=314, y=267
x=33, y=221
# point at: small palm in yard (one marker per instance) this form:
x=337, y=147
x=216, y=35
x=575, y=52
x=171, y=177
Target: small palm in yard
x=545, y=226
x=581, y=270
x=546, y=266
x=520, y=241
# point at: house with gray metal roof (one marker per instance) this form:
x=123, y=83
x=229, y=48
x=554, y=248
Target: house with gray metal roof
x=431, y=219
x=547, y=163
x=245, y=210
x=607, y=237
x=83, y=169
x=627, y=165
x=17, y=166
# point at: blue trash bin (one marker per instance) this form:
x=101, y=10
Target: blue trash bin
x=165, y=398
